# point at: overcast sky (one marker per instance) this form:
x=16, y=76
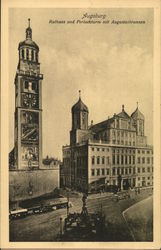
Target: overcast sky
x=111, y=65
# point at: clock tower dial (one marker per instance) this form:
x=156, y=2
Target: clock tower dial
x=28, y=82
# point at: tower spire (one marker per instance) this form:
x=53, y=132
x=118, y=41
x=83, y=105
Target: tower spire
x=79, y=94
x=29, y=31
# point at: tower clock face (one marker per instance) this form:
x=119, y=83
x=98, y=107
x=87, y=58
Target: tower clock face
x=29, y=100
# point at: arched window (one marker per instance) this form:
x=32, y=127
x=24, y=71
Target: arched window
x=27, y=54
x=22, y=53
x=32, y=55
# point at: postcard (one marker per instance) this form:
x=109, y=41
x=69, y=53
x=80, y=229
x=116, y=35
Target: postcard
x=80, y=125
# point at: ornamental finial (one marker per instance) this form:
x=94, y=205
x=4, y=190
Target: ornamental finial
x=79, y=94
x=29, y=22
x=137, y=104
x=28, y=31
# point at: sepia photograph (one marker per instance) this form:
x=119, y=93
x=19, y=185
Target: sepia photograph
x=81, y=114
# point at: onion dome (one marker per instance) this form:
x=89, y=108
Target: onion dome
x=137, y=114
x=79, y=106
x=28, y=42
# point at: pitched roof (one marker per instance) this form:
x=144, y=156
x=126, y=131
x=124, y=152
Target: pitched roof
x=102, y=125
x=123, y=114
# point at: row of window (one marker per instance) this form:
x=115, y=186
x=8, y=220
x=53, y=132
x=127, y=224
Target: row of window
x=31, y=86
x=100, y=149
x=118, y=142
x=34, y=56
x=143, y=151
x=99, y=172
x=123, y=171
x=144, y=178
x=119, y=159
x=122, y=133
x=143, y=170
x=100, y=160
x=130, y=151
x=142, y=160
x=122, y=150
x=114, y=150
x=123, y=159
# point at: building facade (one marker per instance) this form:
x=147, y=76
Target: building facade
x=28, y=106
x=112, y=152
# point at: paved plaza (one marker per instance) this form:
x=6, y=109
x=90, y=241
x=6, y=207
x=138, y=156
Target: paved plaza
x=46, y=227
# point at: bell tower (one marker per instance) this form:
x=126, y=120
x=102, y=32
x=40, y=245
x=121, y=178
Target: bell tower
x=28, y=106
x=79, y=121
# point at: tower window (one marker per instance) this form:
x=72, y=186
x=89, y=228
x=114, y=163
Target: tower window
x=27, y=54
x=34, y=86
x=22, y=53
x=36, y=57
x=32, y=55
x=26, y=85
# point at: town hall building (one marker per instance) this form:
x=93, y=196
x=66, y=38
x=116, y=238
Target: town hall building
x=112, y=152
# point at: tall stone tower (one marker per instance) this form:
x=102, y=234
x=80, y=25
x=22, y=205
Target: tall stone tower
x=28, y=106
